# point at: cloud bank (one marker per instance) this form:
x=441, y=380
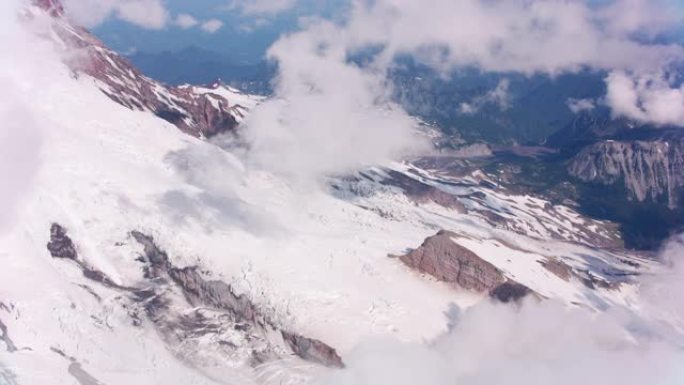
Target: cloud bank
x=331, y=114
x=656, y=97
x=150, y=14
x=29, y=67
x=533, y=37
x=540, y=343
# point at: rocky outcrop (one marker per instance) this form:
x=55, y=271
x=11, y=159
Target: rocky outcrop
x=312, y=350
x=650, y=170
x=421, y=192
x=201, y=112
x=4, y=337
x=60, y=245
x=562, y=270
x=510, y=291
x=76, y=370
x=444, y=259
x=194, y=314
x=558, y=268
x=219, y=301
x=441, y=257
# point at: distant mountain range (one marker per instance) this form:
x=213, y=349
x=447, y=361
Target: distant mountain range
x=195, y=65
x=573, y=137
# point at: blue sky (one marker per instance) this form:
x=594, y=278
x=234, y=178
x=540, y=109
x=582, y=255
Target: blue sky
x=243, y=38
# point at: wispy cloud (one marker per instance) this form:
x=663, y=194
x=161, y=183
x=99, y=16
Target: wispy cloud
x=499, y=96
x=186, y=21
x=261, y=7
x=151, y=14
x=579, y=105
x=212, y=25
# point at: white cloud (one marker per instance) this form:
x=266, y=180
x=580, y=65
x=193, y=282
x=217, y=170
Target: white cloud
x=539, y=343
x=186, y=21
x=663, y=291
x=649, y=17
x=262, y=7
x=29, y=68
x=328, y=116
x=528, y=36
x=212, y=26
x=580, y=105
x=550, y=36
x=650, y=98
x=498, y=96
x=149, y=14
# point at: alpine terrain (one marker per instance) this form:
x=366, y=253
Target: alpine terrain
x=142, y=242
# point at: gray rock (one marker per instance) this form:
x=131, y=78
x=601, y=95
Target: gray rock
x=313, y=350
x=60, y=245
x=650, y=170
x=421, y=192
x=558, y=268
x=217, y=295
x=4, y=336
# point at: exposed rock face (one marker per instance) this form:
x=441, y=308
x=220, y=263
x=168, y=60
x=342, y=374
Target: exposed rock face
x=441, y=257
x=444, y=259
x=54, y=7
x=199, y=113
x=220, y=303
x=650, y=170
x=558, y=268
x=196, y=315
x=612, y=281
x=510, y=291
x=4, y=337
x=422, y=192
x=313, y=350
x=76, y=369
x=60, y=245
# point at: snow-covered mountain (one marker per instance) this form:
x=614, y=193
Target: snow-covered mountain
x=147, y=254
x=200, y=111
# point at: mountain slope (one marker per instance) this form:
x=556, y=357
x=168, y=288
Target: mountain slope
x=198, y=113
x=650, y=170
x=172, y=260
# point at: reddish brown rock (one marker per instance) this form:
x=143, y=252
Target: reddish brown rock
x=446, y=260
x=201, y=114
x=441, y=257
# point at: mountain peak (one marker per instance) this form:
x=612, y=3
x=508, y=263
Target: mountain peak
x=53, y=7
